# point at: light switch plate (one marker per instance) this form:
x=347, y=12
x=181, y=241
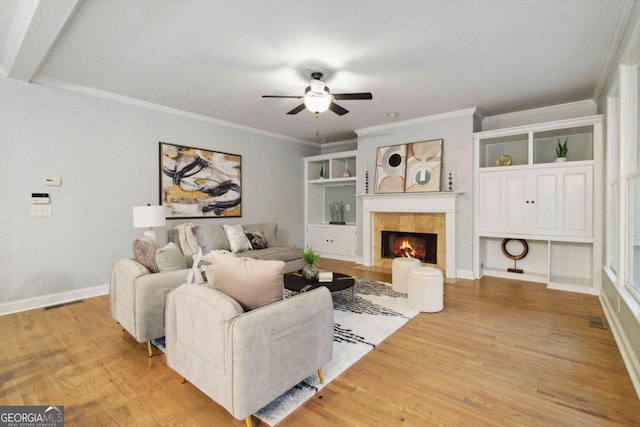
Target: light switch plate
x=41, y=210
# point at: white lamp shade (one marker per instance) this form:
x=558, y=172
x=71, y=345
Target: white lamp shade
x=149, y=216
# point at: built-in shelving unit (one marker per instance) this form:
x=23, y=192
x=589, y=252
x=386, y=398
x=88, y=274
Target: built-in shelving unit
x=523, y=192
x=331, y=178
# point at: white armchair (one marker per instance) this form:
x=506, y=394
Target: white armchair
x=138, y=298
x=242, y=360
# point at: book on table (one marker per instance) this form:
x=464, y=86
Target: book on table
x=325, y=276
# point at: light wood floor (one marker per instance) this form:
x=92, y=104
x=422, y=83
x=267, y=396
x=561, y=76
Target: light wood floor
x=501, y=353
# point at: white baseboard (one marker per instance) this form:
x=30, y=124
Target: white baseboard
x=53, y=299
x=464, y=274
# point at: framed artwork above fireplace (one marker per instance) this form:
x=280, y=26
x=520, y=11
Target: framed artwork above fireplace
x=409, y=168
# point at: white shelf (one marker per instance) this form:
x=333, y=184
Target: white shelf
x=325, y=181
x=331, y=240
x=528, y=277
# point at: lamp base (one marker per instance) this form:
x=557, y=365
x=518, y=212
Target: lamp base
x=151, y=234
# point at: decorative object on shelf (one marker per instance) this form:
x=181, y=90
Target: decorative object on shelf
x=149, y=217
x=321, y=172
x=336, y=210
x=561, y=150
x=515, y=258
x=346, y=173
x=504, y=160
x=390, y=169
x=198, y=183
x=450, y=189
x=310, y=270
x=424, y=165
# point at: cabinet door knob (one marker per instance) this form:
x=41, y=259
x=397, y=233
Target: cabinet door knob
x=533, y=201
x=527, y=201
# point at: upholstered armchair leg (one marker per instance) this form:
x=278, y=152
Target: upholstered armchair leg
x=149, y=350
x=321, y=375
x=247, y=421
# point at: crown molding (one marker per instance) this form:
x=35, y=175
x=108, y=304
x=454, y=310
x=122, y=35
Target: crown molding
x=587, y=103
x=162, y=108
x=435, y=117
x=614, y=48
x=340, y=143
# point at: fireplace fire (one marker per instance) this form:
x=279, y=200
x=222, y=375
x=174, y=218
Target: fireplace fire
x=423, y=246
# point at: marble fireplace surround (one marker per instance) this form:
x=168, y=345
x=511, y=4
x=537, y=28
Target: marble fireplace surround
x=443, y=202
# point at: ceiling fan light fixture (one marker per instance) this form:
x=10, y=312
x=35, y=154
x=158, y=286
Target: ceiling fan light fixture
x=317, y=86
x=317, y=102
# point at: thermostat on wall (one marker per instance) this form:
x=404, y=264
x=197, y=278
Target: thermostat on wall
x=39, y=198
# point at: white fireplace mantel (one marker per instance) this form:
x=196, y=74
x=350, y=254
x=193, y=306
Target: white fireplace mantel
x=441, y=202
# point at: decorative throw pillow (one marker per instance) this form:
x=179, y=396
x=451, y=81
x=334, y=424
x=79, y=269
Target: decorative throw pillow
x=252, y=282
x=211, y=237
x=238, y=242
x=170, y=258
x=144, y=251
x=256, y=239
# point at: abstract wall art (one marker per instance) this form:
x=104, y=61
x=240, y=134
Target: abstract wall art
x=424, y=165
x=409, y=168
x=390, y=169
x=198, y=183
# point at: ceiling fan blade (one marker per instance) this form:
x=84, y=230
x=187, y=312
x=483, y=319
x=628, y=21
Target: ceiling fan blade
x=281, y=96
x=337, y=109
x=343, y=96
x=297, y=109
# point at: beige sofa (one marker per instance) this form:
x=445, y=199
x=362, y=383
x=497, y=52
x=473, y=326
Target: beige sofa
x=212, y=237
x=242, y=360
x=138, y=297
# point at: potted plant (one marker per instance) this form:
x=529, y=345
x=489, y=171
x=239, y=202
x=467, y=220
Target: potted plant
x=561, y=151
x=310, y=271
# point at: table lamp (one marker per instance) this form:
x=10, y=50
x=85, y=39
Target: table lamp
x=149, y=216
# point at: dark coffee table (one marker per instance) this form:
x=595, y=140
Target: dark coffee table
x=296, y=283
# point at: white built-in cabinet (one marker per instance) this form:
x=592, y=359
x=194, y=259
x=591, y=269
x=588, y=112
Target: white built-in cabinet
x=330, y=178
x=332, y=240
x=543, y=201
x=554, y=206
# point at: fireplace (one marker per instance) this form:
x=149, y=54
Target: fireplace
x=413, y=212
x=422, y=246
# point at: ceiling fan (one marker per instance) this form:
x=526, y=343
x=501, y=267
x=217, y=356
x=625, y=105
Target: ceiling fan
x=318, y=98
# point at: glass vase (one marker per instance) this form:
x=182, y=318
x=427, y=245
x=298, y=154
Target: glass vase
x=310, y=272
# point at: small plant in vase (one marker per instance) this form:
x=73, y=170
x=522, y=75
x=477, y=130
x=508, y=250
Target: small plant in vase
x=310, y=271
x=561, y=151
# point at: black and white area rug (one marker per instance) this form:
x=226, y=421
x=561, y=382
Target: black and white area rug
x=360, y=323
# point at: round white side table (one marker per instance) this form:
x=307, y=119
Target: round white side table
x=426, y=289
x=399, y=272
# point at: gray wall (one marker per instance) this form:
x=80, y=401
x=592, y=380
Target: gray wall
x=107, y=156
x=456, y=129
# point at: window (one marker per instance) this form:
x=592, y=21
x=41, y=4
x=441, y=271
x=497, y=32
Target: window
x=631, y=171
x=634, y=234
x=613, y=171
